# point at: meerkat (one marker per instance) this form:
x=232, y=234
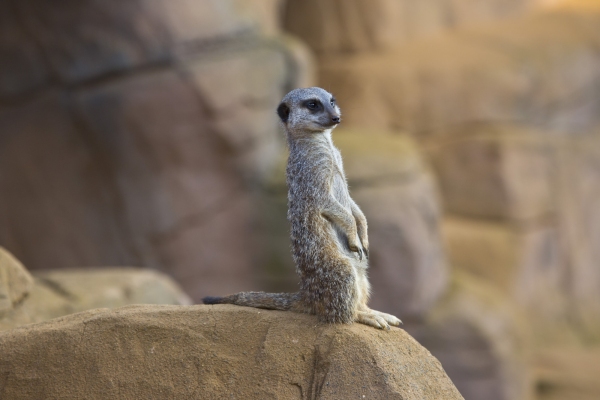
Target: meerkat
x=329, y=238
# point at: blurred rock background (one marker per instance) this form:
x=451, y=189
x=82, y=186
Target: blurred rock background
x=143, y=133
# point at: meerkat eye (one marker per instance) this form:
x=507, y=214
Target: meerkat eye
x=312, y=105
x=332, y=101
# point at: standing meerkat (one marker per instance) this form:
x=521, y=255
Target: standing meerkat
x=328, y=230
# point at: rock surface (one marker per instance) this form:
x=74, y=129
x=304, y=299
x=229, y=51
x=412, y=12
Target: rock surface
x=541, y=70
x=569, y=373
x=53, y=294
x=131, y=133
x=15, y=282
x=331, y=26
x=212, y=352
x=481, y=339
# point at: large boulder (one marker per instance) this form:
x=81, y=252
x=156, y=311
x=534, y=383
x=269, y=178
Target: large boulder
x=212, y=352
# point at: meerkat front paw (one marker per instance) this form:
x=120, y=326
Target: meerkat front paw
x=365, y=246
x=372, y=319
x=357, y=248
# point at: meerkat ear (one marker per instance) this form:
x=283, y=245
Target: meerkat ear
x=284, y=112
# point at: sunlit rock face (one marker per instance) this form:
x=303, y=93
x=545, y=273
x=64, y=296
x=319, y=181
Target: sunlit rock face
x=211, y=351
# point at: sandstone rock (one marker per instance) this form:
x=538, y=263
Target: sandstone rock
x=15, y=282
x=398, y=195
x=332, y=26
x=179, y=192
x=542, y=70
x=211, y=352
x=545, y=261
x=481, y=339
x=158, y=123
x=577, y=5
x=82, y=40
x=568, y=373
x=579, y=220
x=57, y=293
x=498, y=171
x=526, y=263
x=52, y=184
x=22, y=69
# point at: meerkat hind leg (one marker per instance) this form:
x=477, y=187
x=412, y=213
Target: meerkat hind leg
x=372, y=319
x=390, y=319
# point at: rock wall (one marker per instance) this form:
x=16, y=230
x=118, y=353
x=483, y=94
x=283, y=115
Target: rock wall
x=505, y=107
x=507, y=114
x=347, y=26
x=131, y=133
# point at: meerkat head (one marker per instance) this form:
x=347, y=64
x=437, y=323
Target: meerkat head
x=311, y=109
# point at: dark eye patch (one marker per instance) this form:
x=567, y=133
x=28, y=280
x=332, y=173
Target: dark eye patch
x=332, y=101
x=313, y=105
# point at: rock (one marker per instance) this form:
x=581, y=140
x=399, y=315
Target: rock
x=330, y=26
x=526, y=263
x=53, y=186
x=147, y=147
x=498, y=171
x=25, y=299
x=22, y=69
x=84, y=40
x=15, y=282
x=568, y=373
x=540, y=70
x=481, y=339
x=544, y=258
x=180, y=195
x=579, y=221
x=392, y=185
x=211, y=352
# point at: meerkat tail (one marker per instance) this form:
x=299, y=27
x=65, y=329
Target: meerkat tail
x=269, y=301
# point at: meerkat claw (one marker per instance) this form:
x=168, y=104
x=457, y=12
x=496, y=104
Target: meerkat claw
x=358, y=252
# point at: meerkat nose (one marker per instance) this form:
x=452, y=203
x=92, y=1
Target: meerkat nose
x=335, y=119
